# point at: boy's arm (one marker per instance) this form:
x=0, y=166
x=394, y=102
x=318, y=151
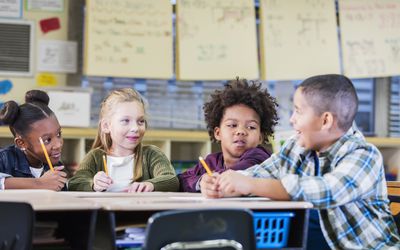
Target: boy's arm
x=358, y=174
x=188, y=180
x=232, y=183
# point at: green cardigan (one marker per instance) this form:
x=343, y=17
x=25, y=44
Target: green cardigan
x=156, y=168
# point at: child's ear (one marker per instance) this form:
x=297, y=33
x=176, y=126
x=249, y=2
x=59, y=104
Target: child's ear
x=105, y=126
x=328, y=121
x=20, y=142
x=217, y=133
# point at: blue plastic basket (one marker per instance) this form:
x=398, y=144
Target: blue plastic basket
x=272, y=229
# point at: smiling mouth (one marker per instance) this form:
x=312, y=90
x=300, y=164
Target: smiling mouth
x=133, y=138
x=56, y=155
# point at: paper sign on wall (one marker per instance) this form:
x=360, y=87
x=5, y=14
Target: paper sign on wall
x=45, y=79
x=10, y=8
x=57, y=56
x=71, y=108
x=45, y=5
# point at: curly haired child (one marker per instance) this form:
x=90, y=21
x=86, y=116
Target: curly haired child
x=23, y=165
x=240, y=118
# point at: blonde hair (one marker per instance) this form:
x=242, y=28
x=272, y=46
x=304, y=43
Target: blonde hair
x=107, y=108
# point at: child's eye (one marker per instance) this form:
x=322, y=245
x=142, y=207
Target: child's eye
x=142, y=122
x=251, y=127
x=46, y=141
x=125, y=121
x=231, y=125
x=59, y=135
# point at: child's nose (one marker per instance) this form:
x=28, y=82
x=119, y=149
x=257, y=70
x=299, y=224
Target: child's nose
x=292, y=119
x=240, y=130
x=134, y=127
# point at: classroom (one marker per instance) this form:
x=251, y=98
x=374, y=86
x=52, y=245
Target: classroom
x=176, y=55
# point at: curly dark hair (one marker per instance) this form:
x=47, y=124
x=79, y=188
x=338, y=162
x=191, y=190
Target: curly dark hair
x=20, y=117
x=249, y=93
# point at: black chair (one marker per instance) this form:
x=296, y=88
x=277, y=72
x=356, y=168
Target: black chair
x=201, y=229
x=16, y=226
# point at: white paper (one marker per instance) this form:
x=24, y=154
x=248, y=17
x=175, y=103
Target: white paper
x=57, y=56
x=11, y=8
x=45, y=5
x=72, y=109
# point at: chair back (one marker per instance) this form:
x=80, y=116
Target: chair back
x=16, y=226
x=201, y=229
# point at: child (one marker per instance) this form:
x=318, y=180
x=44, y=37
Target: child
x=329, y=164
x=240, y=117
x=131, y=166
x=24, y=164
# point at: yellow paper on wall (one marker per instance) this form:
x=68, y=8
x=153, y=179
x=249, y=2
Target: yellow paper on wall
x=46, y=79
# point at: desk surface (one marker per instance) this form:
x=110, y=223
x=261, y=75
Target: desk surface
x=127, y=195
x=46, y=200
x=173, y=201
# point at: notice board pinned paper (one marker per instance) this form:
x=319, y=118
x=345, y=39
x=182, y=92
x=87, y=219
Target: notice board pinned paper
x=71, y=107
x=45, y=79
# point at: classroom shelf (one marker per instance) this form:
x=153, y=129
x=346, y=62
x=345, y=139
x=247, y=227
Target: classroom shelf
x=177, y=145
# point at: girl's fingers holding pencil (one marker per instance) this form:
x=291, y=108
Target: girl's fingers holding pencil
x=58, y=168
x=101, y=181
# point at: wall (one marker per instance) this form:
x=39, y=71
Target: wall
x=22, y=84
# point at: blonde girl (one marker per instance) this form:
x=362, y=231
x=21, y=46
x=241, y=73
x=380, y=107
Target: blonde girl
x=129, y=166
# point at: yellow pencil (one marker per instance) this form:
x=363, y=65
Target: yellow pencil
x=105, y=164
x=205, y=166
x=46, y=154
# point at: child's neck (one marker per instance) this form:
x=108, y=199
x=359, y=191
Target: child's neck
x=120, y=153
x=331, y=139
x=229, y=162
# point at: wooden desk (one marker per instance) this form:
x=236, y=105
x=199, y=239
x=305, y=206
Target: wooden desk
x=136, y=209
x=75, y=217
x=394, y=189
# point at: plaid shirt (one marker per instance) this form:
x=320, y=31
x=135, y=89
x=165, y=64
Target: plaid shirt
x=349, y=190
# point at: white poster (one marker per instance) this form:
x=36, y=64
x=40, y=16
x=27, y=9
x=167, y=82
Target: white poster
x=57, y=56
x=45, y=5
x=11, y=8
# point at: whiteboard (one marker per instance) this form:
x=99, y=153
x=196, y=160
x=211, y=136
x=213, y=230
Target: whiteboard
x=128, y=38
x=216, y=39
x=298, y=39
x=370, y=37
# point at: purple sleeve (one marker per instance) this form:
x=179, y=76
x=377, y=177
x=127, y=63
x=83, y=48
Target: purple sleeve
x=251, y=157
x=188, y=179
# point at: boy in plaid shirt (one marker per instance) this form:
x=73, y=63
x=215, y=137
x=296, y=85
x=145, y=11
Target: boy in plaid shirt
x=329, y=164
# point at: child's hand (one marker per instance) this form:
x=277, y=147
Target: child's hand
x=209, y=186
x=53, y=180
x=101, y=181
x=232, y=183
x=138, y=187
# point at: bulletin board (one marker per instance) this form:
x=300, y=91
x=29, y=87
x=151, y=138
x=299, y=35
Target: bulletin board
x=298, y=39
x=370, y=32
x=128, y=38
x=216, y=40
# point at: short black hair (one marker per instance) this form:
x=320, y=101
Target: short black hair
x=20, y=117
x=249, y=93
x=332, y=93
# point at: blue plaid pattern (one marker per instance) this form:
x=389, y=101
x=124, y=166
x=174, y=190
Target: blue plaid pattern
x=349, y=191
